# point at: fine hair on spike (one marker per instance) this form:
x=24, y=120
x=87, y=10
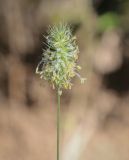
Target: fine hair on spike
x=59, y=61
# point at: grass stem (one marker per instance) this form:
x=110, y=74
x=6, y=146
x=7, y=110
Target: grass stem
x=58, y=126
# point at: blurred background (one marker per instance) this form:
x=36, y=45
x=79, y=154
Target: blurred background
x=95, y=116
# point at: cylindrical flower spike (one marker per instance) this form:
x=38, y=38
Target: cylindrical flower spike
x=59, y=61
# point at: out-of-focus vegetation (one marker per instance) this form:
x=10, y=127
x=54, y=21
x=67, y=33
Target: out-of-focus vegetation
x=95, y=123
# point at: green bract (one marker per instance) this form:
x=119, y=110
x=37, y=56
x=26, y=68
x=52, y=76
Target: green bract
x=58, y=63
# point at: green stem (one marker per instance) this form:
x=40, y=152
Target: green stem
x=58, y=125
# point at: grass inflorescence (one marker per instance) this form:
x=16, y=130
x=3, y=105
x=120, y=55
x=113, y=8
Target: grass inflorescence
x=59, y=61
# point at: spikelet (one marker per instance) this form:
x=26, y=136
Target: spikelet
x=58, y=64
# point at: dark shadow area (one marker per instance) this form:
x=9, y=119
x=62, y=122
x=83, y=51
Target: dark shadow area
x=118, y=81
x=104, y=6
x=4, y=85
